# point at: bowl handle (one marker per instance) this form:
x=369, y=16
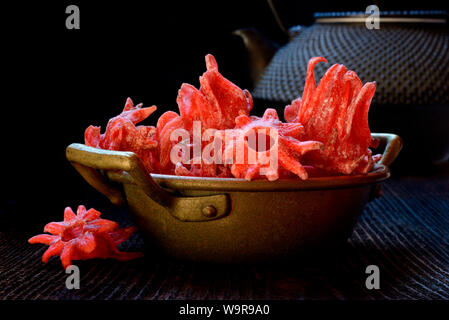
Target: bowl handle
x=88, y=160
x=393, y=145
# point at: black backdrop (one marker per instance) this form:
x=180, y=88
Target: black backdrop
x=58, y=81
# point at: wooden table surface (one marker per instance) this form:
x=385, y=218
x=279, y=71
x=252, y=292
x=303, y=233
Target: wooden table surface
x=405, y=233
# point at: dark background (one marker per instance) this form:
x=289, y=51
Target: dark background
x=57, y=81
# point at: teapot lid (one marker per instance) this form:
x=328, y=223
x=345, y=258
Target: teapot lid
x=401, y=16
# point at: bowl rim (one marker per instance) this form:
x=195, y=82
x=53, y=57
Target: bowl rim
x=378, y=173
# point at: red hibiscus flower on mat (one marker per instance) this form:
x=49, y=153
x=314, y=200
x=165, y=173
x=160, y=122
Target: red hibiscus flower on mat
x=83, y=236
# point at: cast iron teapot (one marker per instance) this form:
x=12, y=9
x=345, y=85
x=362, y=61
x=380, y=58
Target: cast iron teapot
x=407, y=55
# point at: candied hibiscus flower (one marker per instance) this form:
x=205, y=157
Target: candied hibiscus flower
x=336, y=113
x=282, y=147
x=84, y=236
x=122, y=134
x=215, y=105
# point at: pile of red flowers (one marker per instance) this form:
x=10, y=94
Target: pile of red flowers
x=326, y=130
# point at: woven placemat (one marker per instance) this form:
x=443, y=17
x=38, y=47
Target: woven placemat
x=405, y=233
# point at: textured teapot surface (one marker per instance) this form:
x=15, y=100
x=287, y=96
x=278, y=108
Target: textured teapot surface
x=409, y=62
